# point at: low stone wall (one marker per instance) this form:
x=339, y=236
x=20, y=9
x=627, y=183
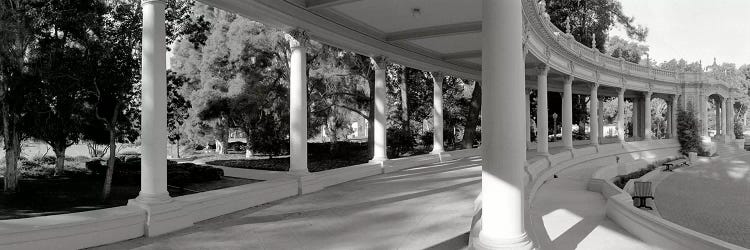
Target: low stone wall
x=74, y=230
x=648, y=227
x=105, y=226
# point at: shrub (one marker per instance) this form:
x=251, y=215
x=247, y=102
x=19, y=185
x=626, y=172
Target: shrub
x=427, y=138
x=400, y=141
x=687, y=131
x=739, y=129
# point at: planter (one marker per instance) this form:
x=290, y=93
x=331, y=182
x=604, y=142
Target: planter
x=693, y=156
x=740, y=143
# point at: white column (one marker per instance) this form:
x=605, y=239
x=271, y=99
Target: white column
x=542, y=122
x=567, y=113
x=379, y=151
x=298, y=40
x=719, y=121
x=647, y=117
x=527, y=113
x=437, y=96
x=704, y=114
x=594, y=114
x=503, y=153
x=154, y=105
x=621, y=114
x=730, y=120
x=673, y=117
x=635, y=118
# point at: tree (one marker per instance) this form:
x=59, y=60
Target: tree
x=56, y=60
x=688, y=130
x=593, y=17
x=621, y=48
x=18, y=23
x=177, y=108
x=680, y=66
x=472, y=120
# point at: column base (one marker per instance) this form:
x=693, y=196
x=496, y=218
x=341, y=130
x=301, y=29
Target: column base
x=378, y=159
x=163, y=215
x=521, y=243
x=442, y=155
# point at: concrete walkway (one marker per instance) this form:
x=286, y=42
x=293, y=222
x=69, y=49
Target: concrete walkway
x=428, y=207
x=574, y=218
x=711, y=197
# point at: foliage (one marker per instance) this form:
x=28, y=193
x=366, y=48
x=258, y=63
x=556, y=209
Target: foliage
x=400, y=141
x=680, y=66
x=739, y=128
x=688, y=131
x=629, y=51
x=593, y=17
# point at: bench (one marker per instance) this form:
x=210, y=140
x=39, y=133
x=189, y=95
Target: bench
x=679, y=162
x=642, y=191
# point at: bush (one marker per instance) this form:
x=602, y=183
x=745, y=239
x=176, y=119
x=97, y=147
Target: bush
x=399, y=141
x=739, y=129
x=427, y=139
x=687, y=131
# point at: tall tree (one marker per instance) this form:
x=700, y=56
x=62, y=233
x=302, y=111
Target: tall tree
x=472, y=120
x=621, y=48
x=19, y=21
x=587, y=18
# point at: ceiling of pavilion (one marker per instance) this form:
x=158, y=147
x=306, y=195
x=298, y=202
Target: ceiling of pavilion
x=440, y=35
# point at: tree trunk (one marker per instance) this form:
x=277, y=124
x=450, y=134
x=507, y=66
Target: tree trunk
x=404, y=101
x=473, y=119
x=12, y=155
x=12, y=149
x=178, y=148
x=110, y=166
x=248, y=150
x=59, y=159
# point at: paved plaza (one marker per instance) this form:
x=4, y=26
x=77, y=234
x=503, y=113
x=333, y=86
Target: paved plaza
x=427, y=207
x=712, y=198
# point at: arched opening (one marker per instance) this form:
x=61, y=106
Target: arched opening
x=714, y=122
x=659, y=118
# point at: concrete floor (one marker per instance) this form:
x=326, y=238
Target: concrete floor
x=427, y=207
x=574, y=218
x=712, y=198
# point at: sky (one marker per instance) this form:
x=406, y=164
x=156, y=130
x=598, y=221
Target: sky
x=694, y=29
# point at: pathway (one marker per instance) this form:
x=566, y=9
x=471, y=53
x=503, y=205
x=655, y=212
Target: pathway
x=424, y=207
x=574, y=218
x=712, y=198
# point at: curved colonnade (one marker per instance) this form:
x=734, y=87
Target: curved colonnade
x=518, y=44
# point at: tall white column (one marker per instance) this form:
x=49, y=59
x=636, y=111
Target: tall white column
x=154, y=105
x=704, y=114
x=647, y=117
x=673, y=117
x=298, y=41
x=594, y=114
x=567, y=113
x=379, y=151
x=542, y=118
x=621, y=114
x=502, y=151
x=527, y=113
x=729, y=120
x=635, y=118
x=719, y=121
x=437, y=96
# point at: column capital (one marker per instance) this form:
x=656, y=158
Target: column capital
x=543, y=69
x=621, y=91
x=649, y=94
x=568, y=79
x=379, y=62
x=297, y=38
x=595, y=85
x=144, y=2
